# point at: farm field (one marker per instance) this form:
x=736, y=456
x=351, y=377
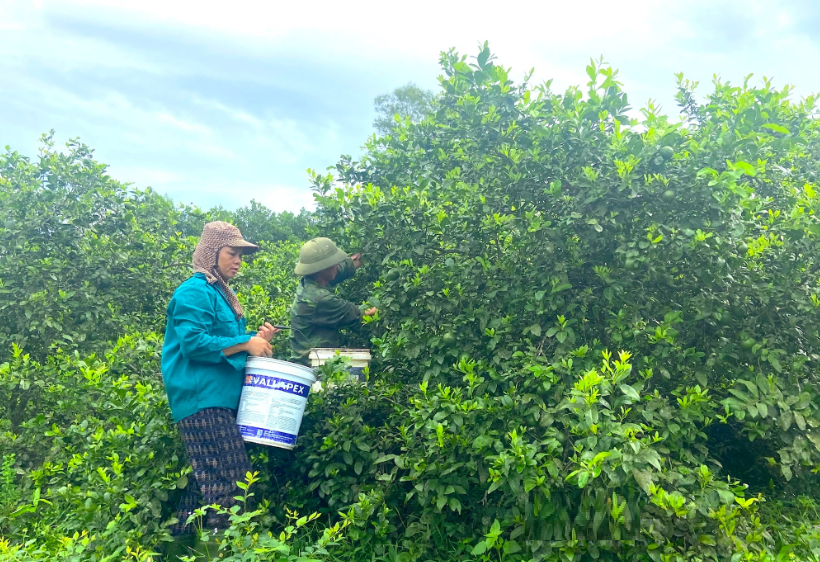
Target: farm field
x=597, y=338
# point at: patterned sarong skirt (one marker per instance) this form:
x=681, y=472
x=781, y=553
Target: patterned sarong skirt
x=218, y=457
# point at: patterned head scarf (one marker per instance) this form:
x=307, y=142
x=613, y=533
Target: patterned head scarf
x=215, y=236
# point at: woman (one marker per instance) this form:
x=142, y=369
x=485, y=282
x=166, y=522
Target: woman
x=203, y=357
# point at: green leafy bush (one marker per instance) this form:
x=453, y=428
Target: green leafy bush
x=266, y=287
x=84, y=258
x=97, y=439
x=513, y=237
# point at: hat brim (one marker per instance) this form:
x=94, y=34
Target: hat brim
x=311, y=268
x=245, y=245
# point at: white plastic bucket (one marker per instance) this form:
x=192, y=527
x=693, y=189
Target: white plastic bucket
x=359, y=359
x=273, y=401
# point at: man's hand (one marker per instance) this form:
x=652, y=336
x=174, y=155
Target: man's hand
x=357, y=260
x=370, y=311
x=258, y=347
x=267, y=331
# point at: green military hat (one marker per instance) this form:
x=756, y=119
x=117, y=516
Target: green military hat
x=318, y=254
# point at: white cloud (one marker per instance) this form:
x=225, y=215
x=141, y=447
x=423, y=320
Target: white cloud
x=149, y=177
x=283, y=198
x=236, y=114
x=183, y=125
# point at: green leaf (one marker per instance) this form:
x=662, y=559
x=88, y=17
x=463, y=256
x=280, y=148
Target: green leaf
x=643, y=478
x=454, y=504
x=511, y=547
x=482, y=57
x=535, y=330
x=786, y=419
x=776, y=128
x=630, y=392
x=814, y=438
x=561, y=287
x=745, y=167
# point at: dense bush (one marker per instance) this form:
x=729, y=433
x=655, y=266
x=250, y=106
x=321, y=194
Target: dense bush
x=266, y=288
x=518, y=238
x=92, y=465
x=82, y=256
x=97, y=439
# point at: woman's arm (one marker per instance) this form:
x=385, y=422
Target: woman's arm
x=192, y=315
x=256, y=346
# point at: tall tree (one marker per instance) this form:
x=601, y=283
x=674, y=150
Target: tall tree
x=406, y=101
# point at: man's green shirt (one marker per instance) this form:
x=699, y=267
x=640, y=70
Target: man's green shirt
x=318, y=314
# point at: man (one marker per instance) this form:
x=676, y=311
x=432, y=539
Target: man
x=318, y=313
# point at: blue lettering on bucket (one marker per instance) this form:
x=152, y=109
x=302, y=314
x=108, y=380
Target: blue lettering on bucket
x=275, y=383
x=268, y=434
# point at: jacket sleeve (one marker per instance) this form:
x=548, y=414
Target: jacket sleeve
x=193, y=316
x=335, y=312
x=346, y=271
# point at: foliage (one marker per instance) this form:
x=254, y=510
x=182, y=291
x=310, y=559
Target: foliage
x=259, y=224
x=515, y=236
x=266, y=288
x=109, y=467
x=82, y=256
x=246, y=541
x=97, y=440
x=597, y=340
x=408, y=102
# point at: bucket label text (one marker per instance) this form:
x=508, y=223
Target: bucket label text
x=275, y=383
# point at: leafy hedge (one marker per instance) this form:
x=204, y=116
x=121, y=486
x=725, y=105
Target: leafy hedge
x=518, y=239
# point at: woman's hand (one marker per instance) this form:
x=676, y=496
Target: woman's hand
x=259, y=347
x=370, y=311
x=357, y=260
x=267, y=331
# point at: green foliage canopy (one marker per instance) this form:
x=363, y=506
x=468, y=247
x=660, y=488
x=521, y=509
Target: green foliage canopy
x=517, y=237
x=81, y=255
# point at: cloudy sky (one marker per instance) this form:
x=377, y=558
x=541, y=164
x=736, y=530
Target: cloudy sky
x=224, y=102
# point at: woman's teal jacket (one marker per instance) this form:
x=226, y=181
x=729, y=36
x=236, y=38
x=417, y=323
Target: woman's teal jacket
x=196, y=373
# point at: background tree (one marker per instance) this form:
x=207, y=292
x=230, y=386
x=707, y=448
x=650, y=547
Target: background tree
x=408, y=101
x=261, y=224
